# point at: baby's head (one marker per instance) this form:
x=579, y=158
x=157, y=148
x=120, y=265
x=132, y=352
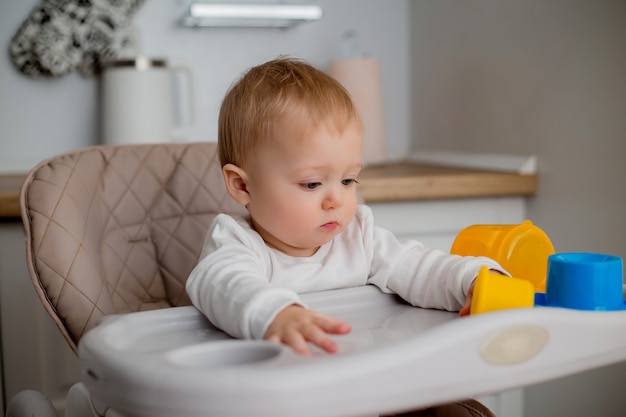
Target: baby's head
x=285, y=88
x=290, y=146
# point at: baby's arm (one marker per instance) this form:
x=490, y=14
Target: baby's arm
x=296, y=325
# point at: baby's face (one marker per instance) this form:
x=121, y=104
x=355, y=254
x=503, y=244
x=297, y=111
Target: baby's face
x=302, y=186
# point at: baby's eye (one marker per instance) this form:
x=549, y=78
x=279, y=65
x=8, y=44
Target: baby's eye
x=349, y=181
x=310, y=185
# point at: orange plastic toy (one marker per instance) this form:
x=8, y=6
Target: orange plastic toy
x=521, y=249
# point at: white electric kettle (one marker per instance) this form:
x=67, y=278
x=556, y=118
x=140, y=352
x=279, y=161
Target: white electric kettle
x=142, y=103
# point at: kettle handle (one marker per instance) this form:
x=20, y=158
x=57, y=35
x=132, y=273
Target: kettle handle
x=186, y=114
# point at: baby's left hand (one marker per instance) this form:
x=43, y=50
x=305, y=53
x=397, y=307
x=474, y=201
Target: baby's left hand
x=468, y=301
x=465, y=311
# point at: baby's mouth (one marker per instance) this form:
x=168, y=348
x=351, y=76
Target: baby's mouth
x=330, y=226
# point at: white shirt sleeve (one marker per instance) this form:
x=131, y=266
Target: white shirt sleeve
x=428, y=278
x=230, y=284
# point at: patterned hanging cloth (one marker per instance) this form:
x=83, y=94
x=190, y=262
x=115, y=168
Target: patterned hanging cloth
x=60, y=35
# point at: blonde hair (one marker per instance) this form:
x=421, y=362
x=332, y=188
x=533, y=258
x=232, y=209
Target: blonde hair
x=267, y=93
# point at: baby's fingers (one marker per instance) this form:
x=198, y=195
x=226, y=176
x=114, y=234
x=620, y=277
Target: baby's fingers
x=298, y=342
x=296, y=326
x=333, y=325
x=319, y=338
x=318, y=334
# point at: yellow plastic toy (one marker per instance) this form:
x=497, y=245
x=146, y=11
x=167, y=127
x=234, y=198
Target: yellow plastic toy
x=521, y=249
x=493, y=292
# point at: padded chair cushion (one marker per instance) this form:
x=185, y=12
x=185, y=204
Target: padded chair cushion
x=117, y=229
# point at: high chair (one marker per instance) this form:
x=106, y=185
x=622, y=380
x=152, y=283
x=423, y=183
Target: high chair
x=117, y=229
x=112, y=233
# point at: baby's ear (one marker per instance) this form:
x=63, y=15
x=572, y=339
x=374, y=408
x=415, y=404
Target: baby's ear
x=236, y=183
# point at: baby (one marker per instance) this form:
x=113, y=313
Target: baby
x=290, y=147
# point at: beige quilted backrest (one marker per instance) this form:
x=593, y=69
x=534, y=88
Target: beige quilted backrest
x=117, y=229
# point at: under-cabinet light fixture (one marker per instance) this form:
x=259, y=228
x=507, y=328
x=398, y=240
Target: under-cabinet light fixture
x=250, y=15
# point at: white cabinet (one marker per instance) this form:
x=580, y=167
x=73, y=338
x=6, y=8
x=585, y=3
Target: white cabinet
x=34, y=354
x=436, y=223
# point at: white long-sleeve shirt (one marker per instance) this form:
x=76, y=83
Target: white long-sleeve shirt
x=241, y=284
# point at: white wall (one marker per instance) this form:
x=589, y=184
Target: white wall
x=534, y=76
x=39, y=118
x=537, y=77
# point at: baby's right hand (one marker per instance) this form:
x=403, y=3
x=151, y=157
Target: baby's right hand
x=296, y=325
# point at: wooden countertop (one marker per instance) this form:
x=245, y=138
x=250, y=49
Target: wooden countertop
x=383, y=183
x=10, y=195
x=411, y=181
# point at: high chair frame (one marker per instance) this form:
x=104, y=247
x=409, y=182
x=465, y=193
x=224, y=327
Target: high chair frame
x=117, y=229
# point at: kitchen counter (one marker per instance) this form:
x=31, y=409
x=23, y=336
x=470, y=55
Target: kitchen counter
x=413, y=181
x=400, y=181
x=10, y=195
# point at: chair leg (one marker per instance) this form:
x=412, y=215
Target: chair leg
x=78, y=403
x=30, y=403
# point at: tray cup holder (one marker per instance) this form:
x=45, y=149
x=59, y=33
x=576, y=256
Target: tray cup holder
x=224, y=354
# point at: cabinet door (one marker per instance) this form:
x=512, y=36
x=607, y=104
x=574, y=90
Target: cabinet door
x=35, y=354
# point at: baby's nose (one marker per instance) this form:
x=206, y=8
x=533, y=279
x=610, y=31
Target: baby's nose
x=332, y=199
